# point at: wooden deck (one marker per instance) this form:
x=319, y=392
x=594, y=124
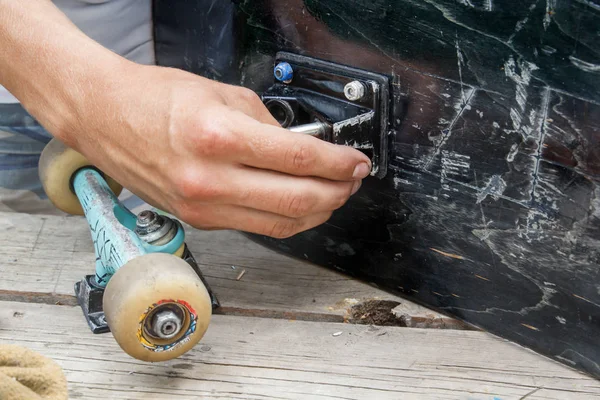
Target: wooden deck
x=287, y=330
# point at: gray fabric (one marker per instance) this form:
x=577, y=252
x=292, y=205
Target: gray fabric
x=123, y=26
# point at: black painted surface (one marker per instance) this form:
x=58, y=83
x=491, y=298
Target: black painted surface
x=490, y=209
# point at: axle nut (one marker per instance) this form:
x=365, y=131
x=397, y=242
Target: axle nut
x=166, y=324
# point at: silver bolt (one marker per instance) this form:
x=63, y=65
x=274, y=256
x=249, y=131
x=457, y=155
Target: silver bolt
x=146, y=218
x=166, y=324
x=354, y=91
x=154, y=228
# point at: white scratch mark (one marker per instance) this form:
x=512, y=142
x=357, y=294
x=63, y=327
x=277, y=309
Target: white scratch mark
x=516, y=118
x=538, y=156
x=524, y=76
x=557, y=110
x=448, y=14
x=590, y=3
x=547, y=50
x=520, y=73
x=494, y=187
x=399, y=181
x=486, y=232
x=514, y=149
x=550, y=5
x=486, y=6
x=595, y=209
x=356, y=145
x=460, y=63
x=454, y=164
x=521, y=23
x=584, y=65
x=360, y=119
x=466, y=3
x=440, y=141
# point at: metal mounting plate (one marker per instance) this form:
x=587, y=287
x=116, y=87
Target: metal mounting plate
x=318, y=86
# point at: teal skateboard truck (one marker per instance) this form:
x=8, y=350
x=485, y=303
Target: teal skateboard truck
x=147, y=288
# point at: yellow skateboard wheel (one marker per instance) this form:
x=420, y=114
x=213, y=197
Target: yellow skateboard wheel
x=57, y=165
x=156, y=307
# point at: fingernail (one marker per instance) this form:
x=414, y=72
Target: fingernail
x=356, y=186
x=361, y=171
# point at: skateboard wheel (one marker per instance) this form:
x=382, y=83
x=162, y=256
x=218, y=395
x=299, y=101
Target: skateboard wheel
x=57, y=165
x=156, y=307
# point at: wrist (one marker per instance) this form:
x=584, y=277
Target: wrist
x=82, y=99
x=57, y=73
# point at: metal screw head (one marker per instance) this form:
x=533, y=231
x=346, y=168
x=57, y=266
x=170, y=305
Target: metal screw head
x=166, y=324
x=354, y=91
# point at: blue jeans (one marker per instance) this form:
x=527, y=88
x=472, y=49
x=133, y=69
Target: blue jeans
x=22, y=140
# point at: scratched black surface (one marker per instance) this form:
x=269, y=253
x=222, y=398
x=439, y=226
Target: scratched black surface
x=490, y=210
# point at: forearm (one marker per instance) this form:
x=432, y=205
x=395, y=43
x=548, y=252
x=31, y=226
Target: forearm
x=52, y=67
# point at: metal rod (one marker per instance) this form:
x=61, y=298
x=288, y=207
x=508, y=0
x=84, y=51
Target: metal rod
x=317, y=129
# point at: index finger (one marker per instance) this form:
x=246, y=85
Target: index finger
x=278, y=149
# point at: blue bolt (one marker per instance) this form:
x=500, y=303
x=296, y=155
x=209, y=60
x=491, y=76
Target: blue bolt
x=283, y=72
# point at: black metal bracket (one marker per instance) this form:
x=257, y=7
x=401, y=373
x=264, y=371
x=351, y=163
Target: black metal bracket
x=89, y=296
x=315, y=93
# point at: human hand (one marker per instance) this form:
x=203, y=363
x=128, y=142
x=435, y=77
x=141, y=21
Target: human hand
x=210, y=154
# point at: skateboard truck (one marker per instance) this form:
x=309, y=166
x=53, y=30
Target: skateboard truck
x=119, y=236
x=333, y=102
x=147, y=289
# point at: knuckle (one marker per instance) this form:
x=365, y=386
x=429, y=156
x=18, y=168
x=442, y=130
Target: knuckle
x=192, y=184
x=248, y=95
x=294, y=204
x=185, y=185
x=213, y=139
x=283, y=229
x=300, y=157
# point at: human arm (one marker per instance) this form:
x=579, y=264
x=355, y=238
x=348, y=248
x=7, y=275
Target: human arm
x=207, y=152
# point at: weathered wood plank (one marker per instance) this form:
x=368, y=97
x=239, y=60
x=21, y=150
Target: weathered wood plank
x=254, y=358
x=48, y=254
